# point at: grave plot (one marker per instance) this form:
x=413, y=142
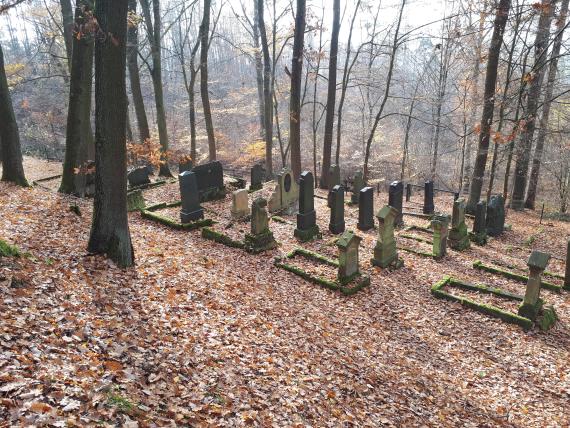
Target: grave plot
x=417, y=233
x=168, y=214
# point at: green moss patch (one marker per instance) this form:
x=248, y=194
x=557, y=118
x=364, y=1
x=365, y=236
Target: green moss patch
x=151, y=215
x=478, y=264
x=214, y=235
x=7, y=250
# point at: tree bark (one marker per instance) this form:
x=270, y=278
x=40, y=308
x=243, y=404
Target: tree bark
x=110, y=228
x=258, y=68
x=67, y=18
x=204, y=45
x=267, y=91
x=488, y=104
x=12, y=168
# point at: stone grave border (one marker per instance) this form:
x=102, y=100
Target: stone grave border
x=478, y=264
x=404, y=233
x=221, y=238
x=150, y=185
x=545, y=321
x=361, y=280
x=418, y=252
x=150, y=214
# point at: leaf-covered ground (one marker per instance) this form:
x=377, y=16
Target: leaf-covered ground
x=205, y=335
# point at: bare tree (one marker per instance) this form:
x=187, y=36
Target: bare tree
x=204, y=44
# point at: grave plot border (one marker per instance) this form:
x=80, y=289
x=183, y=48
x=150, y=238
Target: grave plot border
x=361, y=279
x=150, y=214
x=221, y=238
x=418, y=252
x=416, y=238
x=478, y=264
x=150, y=185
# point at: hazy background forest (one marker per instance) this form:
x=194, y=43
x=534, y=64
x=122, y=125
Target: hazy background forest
x=423, y=79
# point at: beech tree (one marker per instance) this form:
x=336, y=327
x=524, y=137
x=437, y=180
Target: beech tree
x=204, y=42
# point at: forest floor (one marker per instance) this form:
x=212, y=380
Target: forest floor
x=199, y=334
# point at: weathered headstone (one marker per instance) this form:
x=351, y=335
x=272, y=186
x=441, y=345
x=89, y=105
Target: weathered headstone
x=190, y=197
x=567, y=273
x=210, y=180
x=357, y=185
x=385, y=252
x=336, y=224
x=185, y=165
x=395, y=199
x=138, y=176
x=257, y=177
x=458, y=236
x=334, y=176
x=532, y=303
x=306, y=217
x=135, y=200
x=366, y=209
x=496, y=215
x=428, y=197
x=260, y=238
x=240, y=205
x=479, y=232
x=440, y=226
x=348, y=265
x=285, y=196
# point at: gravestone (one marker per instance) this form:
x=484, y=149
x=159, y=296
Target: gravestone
x=440, y=225
x=395, y=199
x=496, y=215
x=210, y=180
x=285, y=196
x=357, y=185
x=260, y=238
x=190, y=197
x=385, y=252
x=185, y=165
x=240, y=204
x=306, y=217
x=135, y=200
x=348, y=265
x=366, y=209
x=479, y=232
x=567, y=272
x=428, y=197
x=257, y=177
x=458, y=236
x=336, y=224
x=408, y=192
x=334, y=176
x=138, y=176
x=532, y=302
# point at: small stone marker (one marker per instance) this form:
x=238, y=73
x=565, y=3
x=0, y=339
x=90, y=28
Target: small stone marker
x=191, y=209
x=135, y=200
x=357, y=185
x=185, y=165
x=366, y=209
x=428, y=197
x=458, y=236
x=257, y=177
x=240, y=206
x=440, y=225
x=306, y=217
x=532, y=303
x=334, y=176
x=408, y=192
x=336, y=224
x=285, y=196
x=348, y=265
x=385, y=252
x=210, y=180
x=567, y=274
x=479, y=232
x=395, y=199
x=496, y=215
x=138, y=176
x=260, y=238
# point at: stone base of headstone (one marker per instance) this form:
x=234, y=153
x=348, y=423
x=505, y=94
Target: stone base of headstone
x=385, y=257
x=135, y=201
x=259, y=243
x=254, y=187
x=337, y=228
x=305, y=235
x=239, y=215
x=478, y=238
x=189, y=217
x=212, y=194
x=365, y=226
x=530, y=311
x=458, y=238
x=547, y=318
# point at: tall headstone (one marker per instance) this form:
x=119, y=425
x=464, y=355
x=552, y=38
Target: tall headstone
x=567, y=273
x=440, y=226
x=336, y=224
x=306, y=217
x=532, y=303
x=285, y=196
x=240, y=204
x=191, y=209
x=357, y=185
x=366, y=209
x=348, y=265
x=385, y=252
x=479, y=232
x=458, y=236
x=496, y=215
x=260, y=238
x=138, y=176
x=185, y=164
x=428, y=197
x=210, y=180
x=334, y=176
x=395, y=199
x=257, y=177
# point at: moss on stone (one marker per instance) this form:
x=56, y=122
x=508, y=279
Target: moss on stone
x=547, y=318
x=135, y=201
x=478, y=264
x=416, y=238
x=280, y=219
x=7, y=250
x=313, y=256
x=174, y=224
x=214, y=235
x=307, y=235
x=261, y=242
x=418, y=252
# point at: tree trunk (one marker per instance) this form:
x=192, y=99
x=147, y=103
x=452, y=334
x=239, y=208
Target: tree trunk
x=331, y=98
x=204, y=46
x=110, y=228
x=488, y=104
x=258, y=69
x=267, y=91
x=543, y=126
x=67, y=18
x=533, y=98
x=79, y=136
x=295, y=98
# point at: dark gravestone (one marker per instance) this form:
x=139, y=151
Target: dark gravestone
x=138, y=176
x=185, y=165
x=334, y=176
x=496, y=215
x=357, y=185
x=257, y=177
x=306, y=217
x=366, y=209
x=428, y=197
x=408, y=192
x=191, y=209
x=336, y=224
x=210, y=180
x=479, y=232
x=395, y=199
x=567, y=273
